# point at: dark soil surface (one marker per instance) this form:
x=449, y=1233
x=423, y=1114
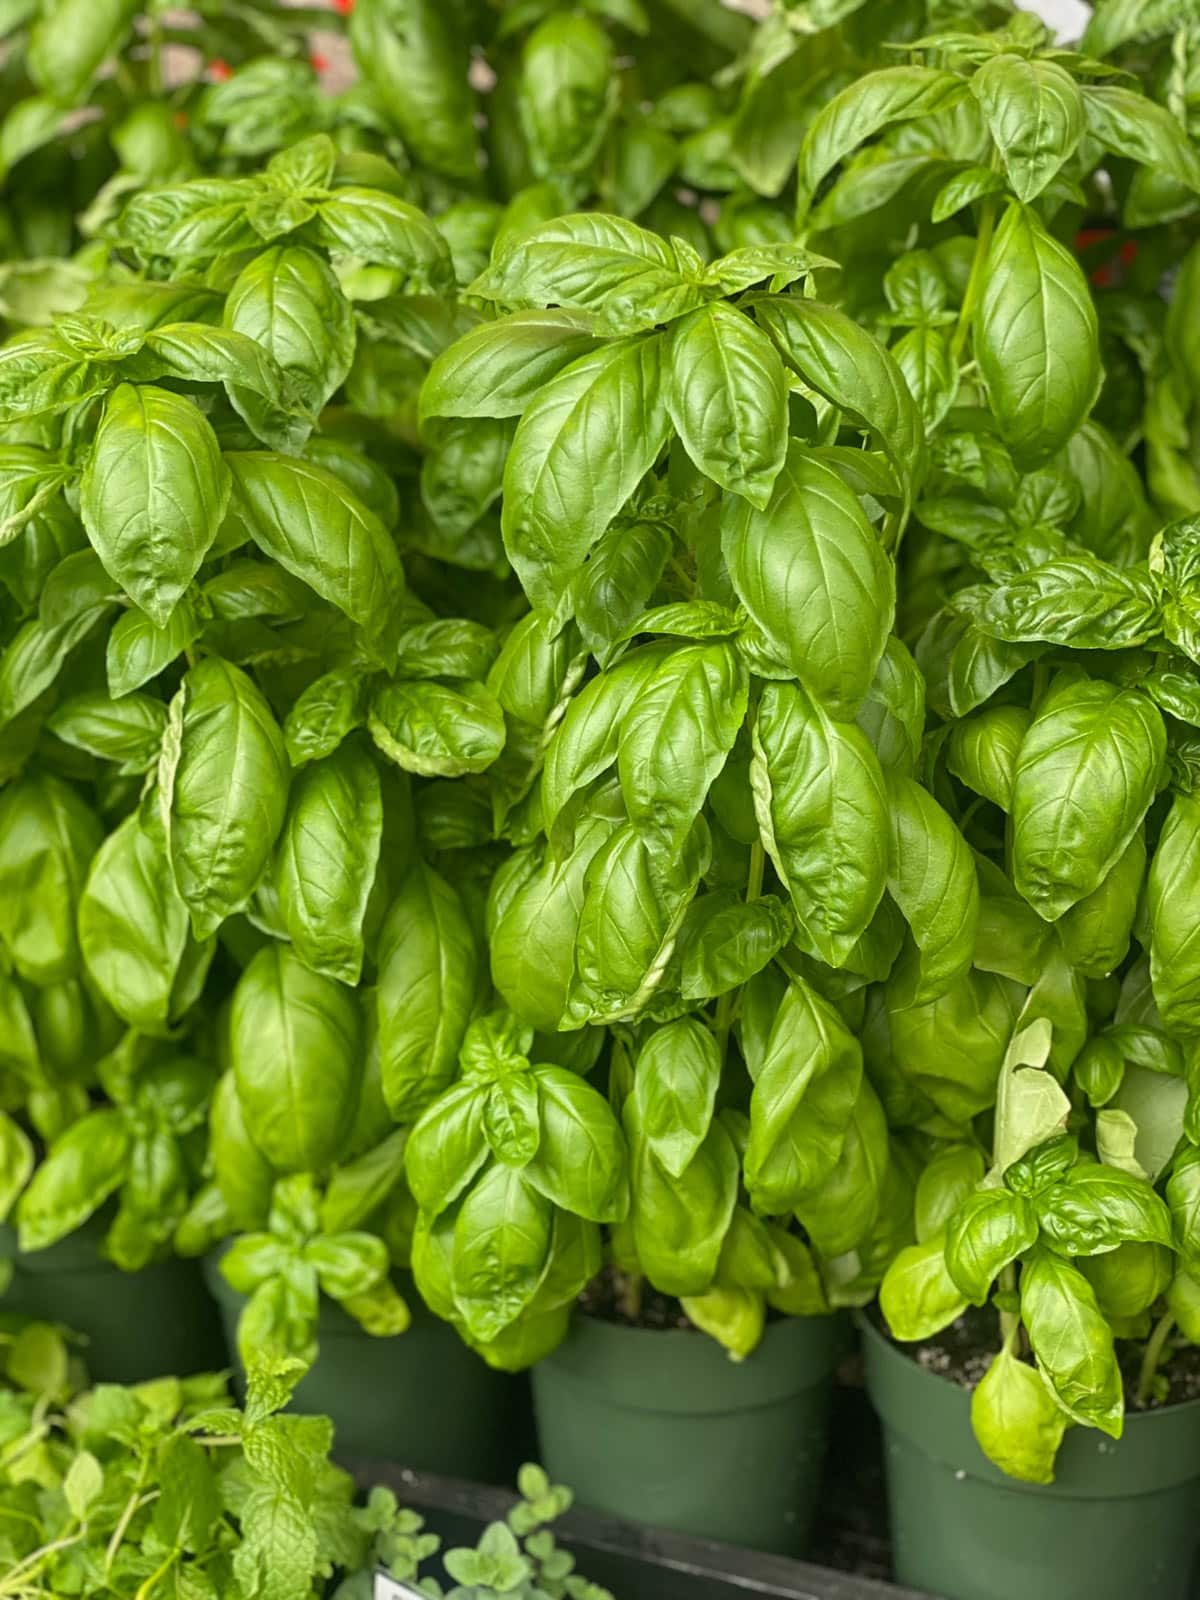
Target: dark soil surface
x=609, y=1297
x=963, y=1351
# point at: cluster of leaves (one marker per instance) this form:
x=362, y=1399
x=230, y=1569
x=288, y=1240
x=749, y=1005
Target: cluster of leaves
x=166, y=1488
x=574, y=569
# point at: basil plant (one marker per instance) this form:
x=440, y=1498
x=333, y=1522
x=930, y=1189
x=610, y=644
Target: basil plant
x=217, y=693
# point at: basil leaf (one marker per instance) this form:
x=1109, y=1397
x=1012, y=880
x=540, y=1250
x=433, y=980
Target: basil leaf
x=812, y=574
x=581, y=1162
x=990, y=1229
x=678, y=1224
x=1036, y=338
x=326, y=861
x=1034, y=112
x=48, y=837
x=1134, y=126
x=437, y=731
x=410, y=54
x=498, y=368
x=675, y=738
x=501, y=1247
x=388, y=232
x=1174, y=927
x=153, y=494
x=803, y=1098
x=1087, y=771
x=880, y=98
x=574, y=461
x=1016, y=1420
x=290, y=303
x=447, y=1147
x=133, y=925
x=918, y=1297
x=676, y=1078
x=223, y=779
x=627, y=278
x=931, y=877
x=428, y=967
x=854, y=371
x=295, y=1040
x=1072, y=1342
x=727, y=396
x=84, y=1166
x=822, y=812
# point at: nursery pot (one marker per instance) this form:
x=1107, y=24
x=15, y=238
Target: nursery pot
x=420, y=1398
x=137, y=1325
x=1122, y=1517
x=663, y=1428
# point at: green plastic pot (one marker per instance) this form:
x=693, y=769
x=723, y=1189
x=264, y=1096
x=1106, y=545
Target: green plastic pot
x=137, y=1325
x=1121, y=1519
x=663, y=1428
x=422, y=1398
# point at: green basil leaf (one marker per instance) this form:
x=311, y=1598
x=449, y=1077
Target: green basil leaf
x=727, y=396
x=1170, y=913
x=1016, y=1420
x=1035, y=338
x=679, y=1223
x=84, y=1166
x=498, y=368
x=447, y=1147
x=854, y=371
x=129, y=730
x=388, y=232
x=724, y=941
x=918, y=1297
x=982, y=751
x=1095, y=1208
x=410, y=54
x=322, y=716
x=153, y=494
x=1076, y=601
x=893, y=714
x=437, y=731
x=839, y=1213
x=1096, y=931
x=822, y=813
x=932, y=878
x=194, y=221
x=1073, y=1342
x=48, y=837
x=574, y=461
x=875, y=101
x=244, y=1175
x=1034, y=112
x=223, y=779
x=139, y=649
x=581, y=1163
x=990, y=1229
x=501, y=1247
x=428, y=967
x=326, y=860
x=676, y=1078
x=289, y=302
x=1134, y=126
x=295, y=1040
x=811, y=572
x=563, y=92
x=70, y=42
x=133, y=926
x=802, y=1102
x=1086, y=774
x=302, y=516
x=675, y=738
x=946, y=1181
x=627, y=278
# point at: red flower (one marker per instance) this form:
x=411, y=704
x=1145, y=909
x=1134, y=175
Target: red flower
x=219, y=70
x=319, y=62
x=343, y=6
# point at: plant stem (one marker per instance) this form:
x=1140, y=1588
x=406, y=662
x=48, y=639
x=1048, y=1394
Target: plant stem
x=1153, y=1355
x=758, y=867
x=987, y=224
x=1010, y=1321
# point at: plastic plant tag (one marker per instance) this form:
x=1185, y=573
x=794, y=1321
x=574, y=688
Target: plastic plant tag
x=388, y=1588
